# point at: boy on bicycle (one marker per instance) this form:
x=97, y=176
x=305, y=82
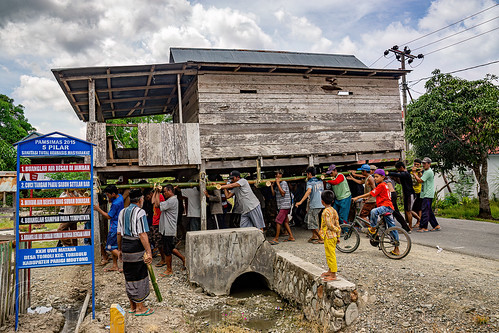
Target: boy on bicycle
x=383, y=203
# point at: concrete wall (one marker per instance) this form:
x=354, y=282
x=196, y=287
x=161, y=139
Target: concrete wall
x=492, y=179
x=331, y=304
x=215, y=258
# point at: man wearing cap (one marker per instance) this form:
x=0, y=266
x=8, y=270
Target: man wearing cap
x=427, y=195
x=342, y=193
x=251, y=215
x=369, y=185
x=315, y=187
x=407, y=189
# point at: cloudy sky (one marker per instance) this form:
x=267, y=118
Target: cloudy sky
x=38, y=35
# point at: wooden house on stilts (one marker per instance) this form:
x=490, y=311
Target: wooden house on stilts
x=236, y=109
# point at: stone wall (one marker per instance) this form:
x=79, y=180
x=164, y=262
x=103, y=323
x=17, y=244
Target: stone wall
x=332, y=304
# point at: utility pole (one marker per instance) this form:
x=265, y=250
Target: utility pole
x=402, y=56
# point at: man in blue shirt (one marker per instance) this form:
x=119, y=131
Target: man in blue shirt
x=117, y=204
x=315, y=187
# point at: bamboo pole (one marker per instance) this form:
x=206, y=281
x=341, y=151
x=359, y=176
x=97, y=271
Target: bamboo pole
x=82, y=312
x=262, y=183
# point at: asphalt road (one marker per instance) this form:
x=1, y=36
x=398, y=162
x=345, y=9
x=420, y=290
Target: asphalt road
x=474, y=238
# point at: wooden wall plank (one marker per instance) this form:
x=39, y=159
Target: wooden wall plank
x=180, y=144
x=298, y=149
x=214, y=121
x=168, y=144
x=193, y=143
x=229, y=79
x=143, y=139
x=96, y=133
x=294, y=98
x=154, y=143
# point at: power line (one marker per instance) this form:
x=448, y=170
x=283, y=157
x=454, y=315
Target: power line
x=376, y=61
x=456, y=71
x=464, y=40
x=450, y=25
x=390, y=63
x=457, y=33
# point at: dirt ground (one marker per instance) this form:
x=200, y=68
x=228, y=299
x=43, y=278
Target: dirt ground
x=425, y=292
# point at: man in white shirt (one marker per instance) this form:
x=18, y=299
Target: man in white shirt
x=251, y=215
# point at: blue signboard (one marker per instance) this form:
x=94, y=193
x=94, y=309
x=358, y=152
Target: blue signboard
x=55, y=256
x=54, y=145
x=54, y=184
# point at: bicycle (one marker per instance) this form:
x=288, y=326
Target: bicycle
x=385, y=239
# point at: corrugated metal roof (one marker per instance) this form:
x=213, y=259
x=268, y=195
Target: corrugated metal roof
x=180, y=55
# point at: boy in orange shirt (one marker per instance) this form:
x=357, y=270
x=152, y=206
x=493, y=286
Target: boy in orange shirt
x=383, y=205
x=330, y=232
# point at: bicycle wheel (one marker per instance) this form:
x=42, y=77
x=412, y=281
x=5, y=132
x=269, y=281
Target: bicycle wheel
x=388, y=242
x=349, y=239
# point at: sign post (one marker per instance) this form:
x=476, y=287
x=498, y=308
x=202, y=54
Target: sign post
x=54, y=145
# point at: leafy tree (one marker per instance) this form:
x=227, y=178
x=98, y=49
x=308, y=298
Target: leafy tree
x=13, y=127
x=126, y=137
x=456, y=122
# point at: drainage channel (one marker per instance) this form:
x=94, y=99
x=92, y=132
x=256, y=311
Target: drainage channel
x=249, y=291
x=71, y=315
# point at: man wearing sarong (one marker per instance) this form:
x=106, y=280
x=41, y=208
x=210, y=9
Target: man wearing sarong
x=135, y=252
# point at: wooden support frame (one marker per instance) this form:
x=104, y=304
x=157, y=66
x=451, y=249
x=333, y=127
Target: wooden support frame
x=179, y=90
x=202, y=188
x=91, y=101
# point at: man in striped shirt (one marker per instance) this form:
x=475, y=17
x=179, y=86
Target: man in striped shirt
x=135, y=252
x=283, y=199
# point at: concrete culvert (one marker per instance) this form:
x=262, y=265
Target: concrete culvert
x=249, y=284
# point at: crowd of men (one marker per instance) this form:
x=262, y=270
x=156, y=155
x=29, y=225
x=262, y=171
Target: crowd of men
x=149, y=222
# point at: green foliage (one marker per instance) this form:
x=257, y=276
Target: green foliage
x=126, y=137
x=464, y=185
x=13, y=127
x=456, y=121
x=449, y=200
x=467, y=210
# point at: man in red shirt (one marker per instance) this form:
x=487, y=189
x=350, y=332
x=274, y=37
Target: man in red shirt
x=155, y=228
x=383, y=205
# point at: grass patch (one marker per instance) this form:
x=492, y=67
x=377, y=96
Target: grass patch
x=6, y=223
x=469, y=211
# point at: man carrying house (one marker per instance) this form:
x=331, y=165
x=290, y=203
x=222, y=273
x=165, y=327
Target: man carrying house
x=117, y=204
x=193, y=207
x=342, y=192
x=251, y=211
x=427, y=195
x=168, y=226
x=315, y=187
x=407, y=189
x=369, y=185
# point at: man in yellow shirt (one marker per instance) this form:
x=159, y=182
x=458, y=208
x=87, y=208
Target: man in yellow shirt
x=416, y=208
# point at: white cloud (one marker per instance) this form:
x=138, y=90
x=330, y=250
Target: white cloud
x=46, y=107
x=63, y=33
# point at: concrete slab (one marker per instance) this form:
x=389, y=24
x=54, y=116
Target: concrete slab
x=216, y=258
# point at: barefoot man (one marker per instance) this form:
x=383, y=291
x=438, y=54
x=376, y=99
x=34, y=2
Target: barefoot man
x=168, y=226
x=117, y=204
x=135, y=252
